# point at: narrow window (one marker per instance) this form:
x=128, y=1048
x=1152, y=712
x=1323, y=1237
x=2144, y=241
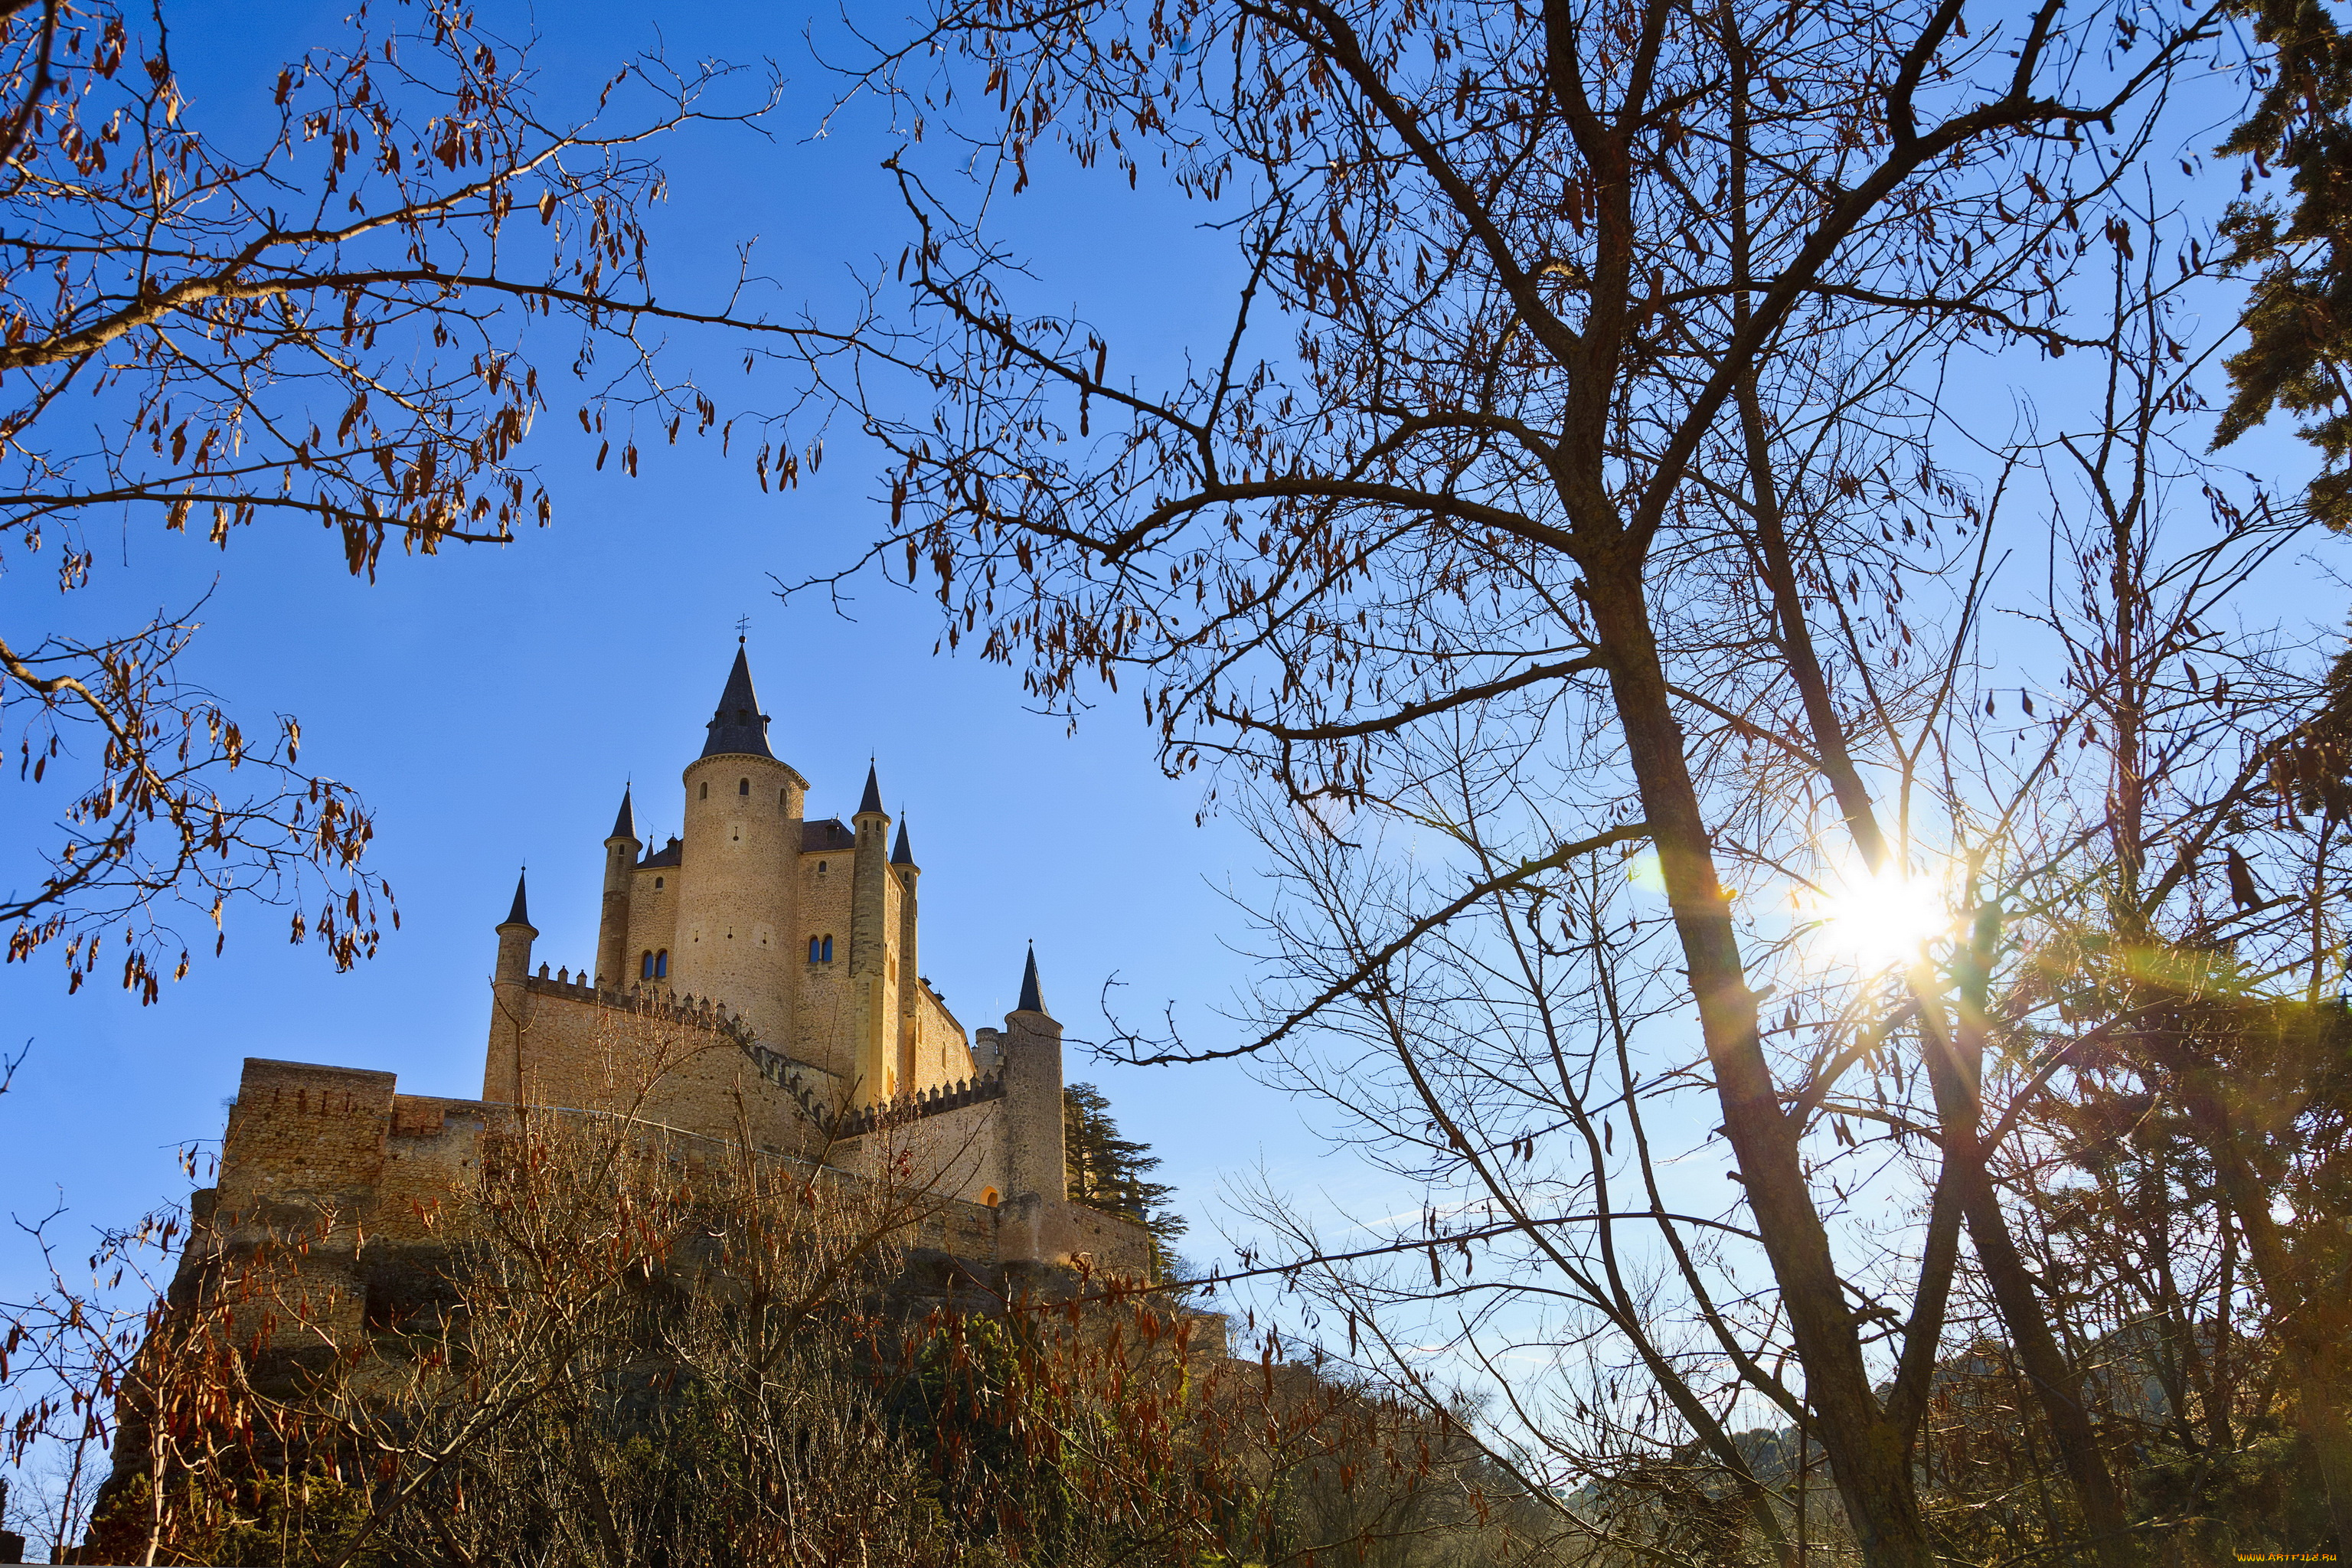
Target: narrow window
x=820, y=868
x=828, y=950
x=742, y=786
x=646, y=966
x=657, y=882
x=661, y=965
x=812, y=957
x=706, y=789
x=784, y=798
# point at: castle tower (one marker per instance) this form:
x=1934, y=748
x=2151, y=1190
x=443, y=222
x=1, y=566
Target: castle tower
x=1034, y=1156
x=613, y=967
x=871, y=966
x=737, y=905
x=509, y=1003
x=910, y=986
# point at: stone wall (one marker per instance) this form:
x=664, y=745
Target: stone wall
x=346, y=1180
x=648, y=1054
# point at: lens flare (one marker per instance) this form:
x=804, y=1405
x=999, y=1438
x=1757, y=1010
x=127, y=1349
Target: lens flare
x=1876, y=919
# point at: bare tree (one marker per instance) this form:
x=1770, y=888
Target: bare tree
x=1542, y=494
x=330, y=323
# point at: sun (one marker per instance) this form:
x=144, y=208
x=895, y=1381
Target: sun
x=1876, y=919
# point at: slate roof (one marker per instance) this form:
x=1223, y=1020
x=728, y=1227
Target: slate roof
x=670, y=854
x=738, y=726
x=830, y=834
x=1030, y=1002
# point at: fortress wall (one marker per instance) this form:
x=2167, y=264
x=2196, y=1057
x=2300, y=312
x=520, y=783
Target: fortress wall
x=958, y=1152
x=435, y=1147
x=300, y=1163
x=966, y=1230
x=298, y=1128
x=360, y=1176
x=942, y=1056
x=680, y=1070
x=1115, y=1245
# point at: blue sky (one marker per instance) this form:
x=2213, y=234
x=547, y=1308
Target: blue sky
x=490, y=703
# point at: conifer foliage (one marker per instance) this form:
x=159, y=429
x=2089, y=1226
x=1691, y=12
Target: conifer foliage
x=2299, y=316
x=1111, y=1171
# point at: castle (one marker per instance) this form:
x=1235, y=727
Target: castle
x=756, y=978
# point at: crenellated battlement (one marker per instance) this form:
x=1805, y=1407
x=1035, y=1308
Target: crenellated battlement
x=937, y=1101
x=655, y=1002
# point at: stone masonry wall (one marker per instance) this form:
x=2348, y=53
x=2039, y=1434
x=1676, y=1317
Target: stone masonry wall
x=586, y=1050
x=346, y=1179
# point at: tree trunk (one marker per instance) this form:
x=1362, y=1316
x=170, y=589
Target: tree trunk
x=1870, y=1459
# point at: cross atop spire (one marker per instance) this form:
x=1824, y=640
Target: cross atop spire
x=1030, y=1001
x=738, y=726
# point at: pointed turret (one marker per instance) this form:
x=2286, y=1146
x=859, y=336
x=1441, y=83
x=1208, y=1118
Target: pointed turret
x=873, y=976
x=1030, y=1002
x=910, y=987
x=613, y=927
x=1035, y=1152
x=737, y=726
x=509, y=982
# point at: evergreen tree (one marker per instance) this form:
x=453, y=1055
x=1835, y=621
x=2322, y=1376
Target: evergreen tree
x=2299, y=318
x=1112, y=1173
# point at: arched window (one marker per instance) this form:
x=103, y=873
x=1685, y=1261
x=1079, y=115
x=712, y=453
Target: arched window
x=657, y=882
x=742, y=786
x=661, y=965
x=706, y=789
x=828, y=950
x=812, y=951
x=784, y=798
x=646, y=966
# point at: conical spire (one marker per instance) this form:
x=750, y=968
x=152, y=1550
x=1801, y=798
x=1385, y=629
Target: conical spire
x=625, y=825
x=520, y=915
x=738, y=726
x=1030, y=1002
x=872, y=799
x=900, y=854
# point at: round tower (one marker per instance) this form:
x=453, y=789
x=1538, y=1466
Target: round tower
x=1034, y=1159
x=738, y=885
